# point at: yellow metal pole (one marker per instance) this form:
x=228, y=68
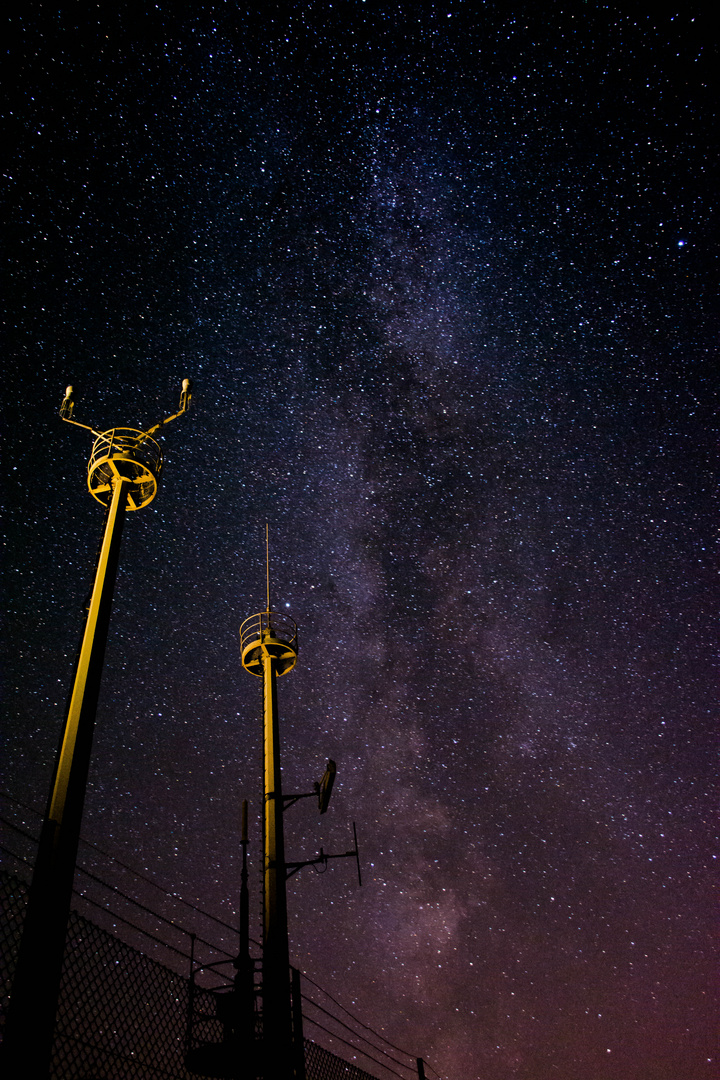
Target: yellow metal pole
x=277, y=1016
x=27, y=1045
x=92, y=653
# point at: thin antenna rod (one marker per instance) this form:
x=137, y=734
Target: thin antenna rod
x=267, y=562
x=244, y=823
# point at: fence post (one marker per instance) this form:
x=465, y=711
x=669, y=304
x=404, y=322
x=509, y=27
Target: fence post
x=191, y=1000
x=298, y=1037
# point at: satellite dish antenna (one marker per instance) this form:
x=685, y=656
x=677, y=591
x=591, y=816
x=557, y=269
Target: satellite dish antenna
x=324, y=788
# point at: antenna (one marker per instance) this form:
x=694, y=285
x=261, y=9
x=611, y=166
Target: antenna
x=324, y=788
x=356, y=853
x=244, y=824
x=267, y=563
x=323, y=859
x=126, y=454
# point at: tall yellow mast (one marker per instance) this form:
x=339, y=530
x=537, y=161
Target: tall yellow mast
x=268, y=643
x=123, y=474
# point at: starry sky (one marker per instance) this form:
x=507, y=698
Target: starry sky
x=445, y=280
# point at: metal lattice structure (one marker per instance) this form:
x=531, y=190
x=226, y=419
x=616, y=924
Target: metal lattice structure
x=122, y=1015
x=320, y=1064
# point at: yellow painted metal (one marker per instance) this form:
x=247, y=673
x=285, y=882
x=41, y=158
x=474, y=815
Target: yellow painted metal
x=123, y=473
x=277, y=1013
x=268, y=643
x=129, y=454
x=269, y=632
x=273, y=798
x=67, y=750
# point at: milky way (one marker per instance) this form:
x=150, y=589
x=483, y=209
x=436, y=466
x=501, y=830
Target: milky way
x=442, y=279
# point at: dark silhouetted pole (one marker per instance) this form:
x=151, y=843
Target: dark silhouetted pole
x=244, y=980
x=30, y=1023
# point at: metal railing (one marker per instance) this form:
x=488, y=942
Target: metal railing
x=122, y=1015
x=128, y=453
x=272, y=623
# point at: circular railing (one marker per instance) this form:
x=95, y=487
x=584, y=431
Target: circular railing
x=269, y=633
x=127, y=454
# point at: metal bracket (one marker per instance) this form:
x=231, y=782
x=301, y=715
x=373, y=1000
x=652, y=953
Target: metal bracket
x=322, y=860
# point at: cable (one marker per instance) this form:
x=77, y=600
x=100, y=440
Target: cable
x=105, y=885
x=161, y=888
x=127, y=922
x=366, y=1026
x=119, y=892
x=11, y=798
x=17, y=828
x=160, y=918
x=137, y=873
x=368, y=1056
x=220, y=922
x=112, y=914
x=355, y=1033
x=14, y=856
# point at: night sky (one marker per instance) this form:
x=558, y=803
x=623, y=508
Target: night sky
x=445, y=280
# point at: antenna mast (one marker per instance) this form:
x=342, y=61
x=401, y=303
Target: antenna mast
x=268, y=643
x=267, y=564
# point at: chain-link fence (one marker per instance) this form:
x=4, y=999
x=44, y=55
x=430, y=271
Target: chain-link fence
x=320, y=1064
x=122, y=1015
